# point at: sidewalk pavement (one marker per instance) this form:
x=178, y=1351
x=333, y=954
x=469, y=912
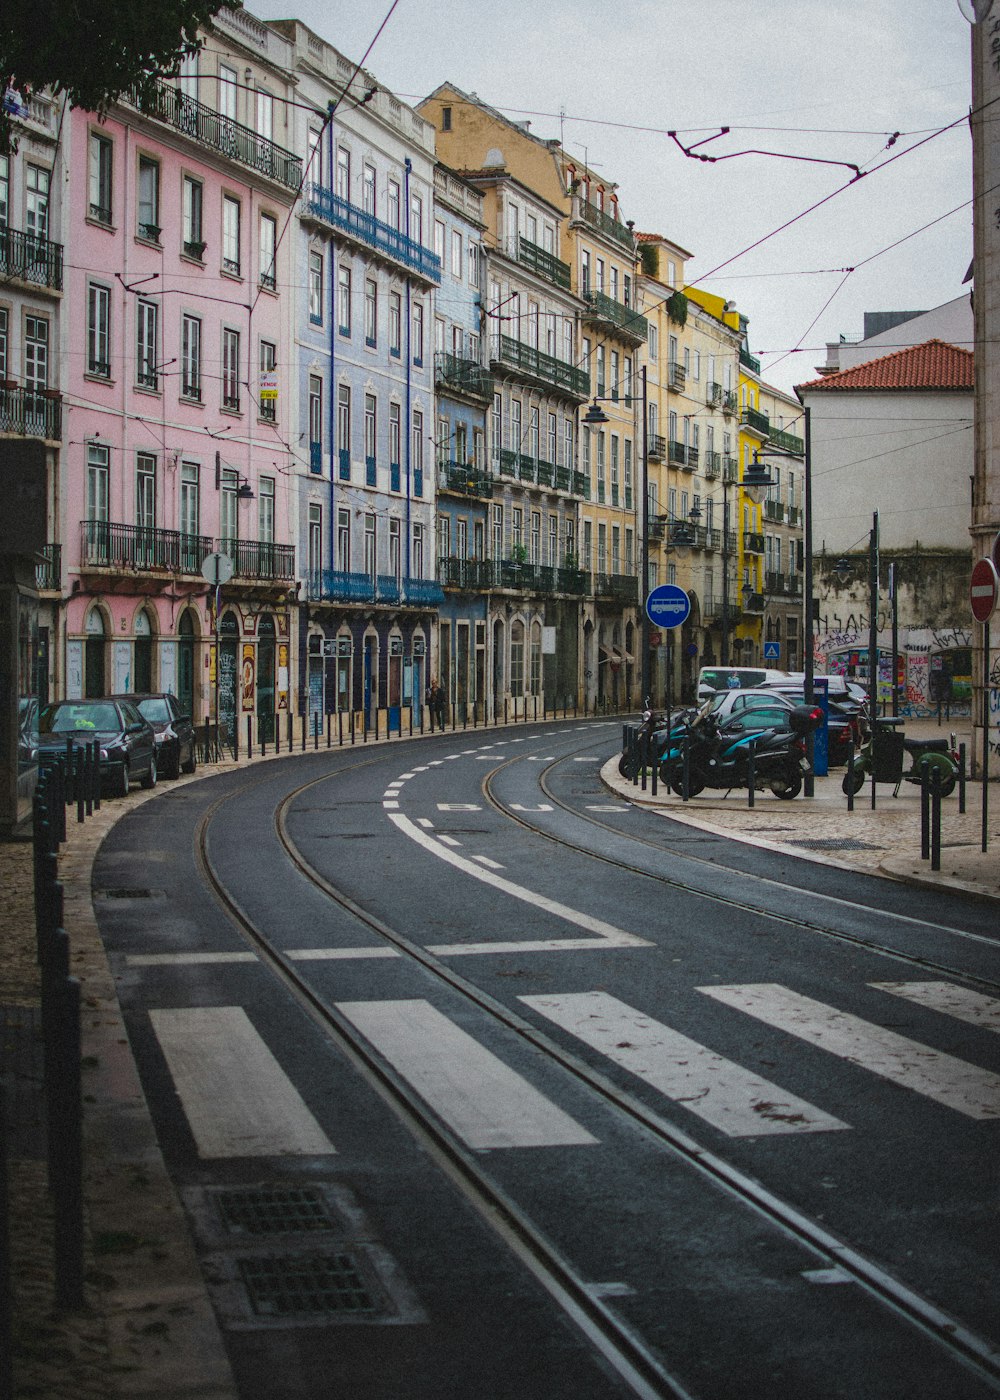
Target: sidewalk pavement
x=885, y=841
x=147, y=1331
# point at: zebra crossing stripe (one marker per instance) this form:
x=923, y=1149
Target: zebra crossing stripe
x=949, y=1081
x=946, y=997
x=729, y=1097
x=238, y=1100
x=485, y=1102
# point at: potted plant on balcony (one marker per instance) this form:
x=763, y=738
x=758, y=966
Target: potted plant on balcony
x=518, y=553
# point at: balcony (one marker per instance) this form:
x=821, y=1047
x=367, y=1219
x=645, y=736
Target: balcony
x=622, y=587
x=260, y=560
x=611, y=228
x=25, y=258
x=581, y=485
x=677, y=454
x=656, y=448
x=730, y=469
x=105, y=544
x=467, y=575
x=31, y=414
x=547, y=265
x=713, y=395
x=755, y=422
x=462, y=376
x=788, y=442
x=794, y=516
x=322, y=204
x=753, y=543
x=774, y=583
x=463, y=479
x=544, y=369
x=793, y=584
x=749, y=362
x=509, y=462
x=526, y=467
x=676, y=375
x=48, y=568
x=209, y=128
x=628, y=324
x=713, y=465
x=339, y=586
x=729, y=401
x=753, y=604
x=774, y=511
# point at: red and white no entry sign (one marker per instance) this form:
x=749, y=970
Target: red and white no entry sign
x=983, y=590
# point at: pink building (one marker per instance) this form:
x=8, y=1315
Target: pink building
x=176, y=423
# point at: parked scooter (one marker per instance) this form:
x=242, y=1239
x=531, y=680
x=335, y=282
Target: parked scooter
x=885, y=750
x=652, y=739
x=720, y=758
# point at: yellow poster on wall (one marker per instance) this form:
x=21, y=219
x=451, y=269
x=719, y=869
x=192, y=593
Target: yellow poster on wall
x=247, y=676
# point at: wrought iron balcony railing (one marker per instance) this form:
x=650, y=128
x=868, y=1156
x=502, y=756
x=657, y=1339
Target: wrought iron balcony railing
x=713, y=465
x=465, y=479
x=168, y=104
x=546, y=369
x=622, y=319
x=749, y=361
x=753, y=543
x=106, y=544
x=676, y=375
x=48, y=569
x=656, y=447
x=260, y=559
x=756, y=421
x=774, y=511
x=339, y=586
x=729, y=401
x=30, y=414
x=31, y=259
x=323, y=204
x=611, y=228
x=546, y=264
x=465, y=376
x=788, y=442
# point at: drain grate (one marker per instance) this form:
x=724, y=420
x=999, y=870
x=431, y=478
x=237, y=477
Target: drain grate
x=847, y=843
x=288, y=1285
x=273, y=1210
x=128, y=894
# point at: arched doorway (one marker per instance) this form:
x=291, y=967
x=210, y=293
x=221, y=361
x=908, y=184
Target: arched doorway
x=185, y=665
x=95, y=668
x=226, y=678
x=142, y=664
x=265, y=679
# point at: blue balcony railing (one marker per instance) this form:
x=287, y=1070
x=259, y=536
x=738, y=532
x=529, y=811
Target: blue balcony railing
x=323, y=204
x=338, y=586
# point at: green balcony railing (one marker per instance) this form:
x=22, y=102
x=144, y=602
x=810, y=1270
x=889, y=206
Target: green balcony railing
x=465, y=479
x=753, y=543
x=788, y=442
x=614, y=313
x=611, y=228
x=546, y=369
x=756, y=421
x=546, y=264
x=656, y=447
x=749, y=361
x=464, y=376
x=209, y=128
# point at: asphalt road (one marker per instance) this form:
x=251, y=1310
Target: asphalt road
x=478, y=1081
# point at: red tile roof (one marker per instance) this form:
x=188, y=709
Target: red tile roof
x=933, y=365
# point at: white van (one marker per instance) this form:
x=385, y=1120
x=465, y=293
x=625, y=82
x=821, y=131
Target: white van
x=713, y=678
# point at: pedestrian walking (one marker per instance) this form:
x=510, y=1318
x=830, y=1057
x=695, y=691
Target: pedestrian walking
x=442, y=706
x=435, y=703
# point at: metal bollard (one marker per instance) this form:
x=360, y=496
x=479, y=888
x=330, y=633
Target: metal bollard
x=643, y=756
x=925, y=812
x=686, y=770
x=751, y=772
x=88, y=778
x=850, y=776
x=66, y=1153
x=961, y=778
x=316, y=731
x=656, y=766
x=935, y=818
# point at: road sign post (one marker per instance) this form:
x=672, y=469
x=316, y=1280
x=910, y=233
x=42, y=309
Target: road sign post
x=667, y=607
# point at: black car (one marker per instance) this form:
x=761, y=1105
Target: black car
x=127, y=743
x=175, y=737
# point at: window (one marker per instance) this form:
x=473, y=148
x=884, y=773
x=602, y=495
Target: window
x=601, y=372
x=98, y=458
x=316, y=288
x=416, y=218
x=395, y=323
x=268, y=388
x=265, y=510
x=344, y=300
x=147, y=319
x=517, y=528
x=101, y=156
x=553, y=439
x=228, y=507
x=190, y=512
x=473, y=256
x=36, y=353
x=4, y=342
x=149, y=200
x=315, y=423
x=445, y=118
x=613, y=288
x=568, y=460
x=395, y=551
x=653, y=343
x=231, y=235
x=615, y=486
x=392, y=204
x=343, y=173
x=371, y=547
x=36, y=181
x=456, y=253
x=228, y=79
x=191, y=357
x=344, y=430
x=439, y=232
x=496, y=532
x=418, y=333
x=268, y=249
x=371, y=428
x=315, y=548
x=368, y=189
x=418, y=552
x=417, y=454
x=191, y=218
x=344, y=540
x=99, y=330
x=265, y=114
x=615, y=374
x=395, y=435
x=584, y=271
x=230, y=368
x=371, y=311
x=533, y=433
x=599, y=264
x=535, y=539
x=4, y=191
x=145, y=491
x=496, y=432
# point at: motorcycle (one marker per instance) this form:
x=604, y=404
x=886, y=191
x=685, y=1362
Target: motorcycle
x=717, y=757
x=651, y=739
x=884, y=754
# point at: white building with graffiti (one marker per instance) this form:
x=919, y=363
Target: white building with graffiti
x=893, y=436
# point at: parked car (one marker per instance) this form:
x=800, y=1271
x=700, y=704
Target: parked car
x=176, y=743
x=767, y=707
x=128, y=745
x=712, y=679
x=846, y=702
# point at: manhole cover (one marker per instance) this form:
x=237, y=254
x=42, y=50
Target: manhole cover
x=273, y=1211
x=288, y=1285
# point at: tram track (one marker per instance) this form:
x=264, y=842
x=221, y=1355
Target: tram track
x=635, y=1363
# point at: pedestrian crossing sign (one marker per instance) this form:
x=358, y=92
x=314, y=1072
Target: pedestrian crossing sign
x=772, y=651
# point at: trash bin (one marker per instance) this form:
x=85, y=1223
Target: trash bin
x=887, y=754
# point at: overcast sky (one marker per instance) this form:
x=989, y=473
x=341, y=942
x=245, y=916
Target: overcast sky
x=833, y=80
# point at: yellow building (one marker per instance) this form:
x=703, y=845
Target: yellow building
x=608, y=333
x=782, y=523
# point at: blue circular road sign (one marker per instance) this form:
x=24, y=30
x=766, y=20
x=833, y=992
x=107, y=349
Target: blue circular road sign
x=668, y=606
